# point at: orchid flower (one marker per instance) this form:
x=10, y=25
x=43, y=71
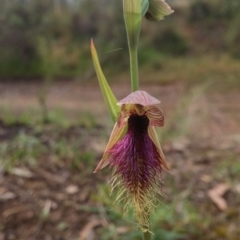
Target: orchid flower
x=134, y=152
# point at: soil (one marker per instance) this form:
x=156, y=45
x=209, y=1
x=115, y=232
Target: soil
x=53, y=202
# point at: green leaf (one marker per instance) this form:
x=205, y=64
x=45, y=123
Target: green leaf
x=108, y=95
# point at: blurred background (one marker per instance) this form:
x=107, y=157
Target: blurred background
x=54, y=125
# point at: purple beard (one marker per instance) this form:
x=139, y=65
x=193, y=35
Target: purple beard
x=135, y=157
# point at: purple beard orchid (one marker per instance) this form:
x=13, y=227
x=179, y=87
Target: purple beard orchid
x=135, y=154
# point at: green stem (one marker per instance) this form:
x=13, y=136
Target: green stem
x=147, y=236
x=134, y=68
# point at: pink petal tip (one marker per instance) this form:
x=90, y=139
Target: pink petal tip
x=139, y=97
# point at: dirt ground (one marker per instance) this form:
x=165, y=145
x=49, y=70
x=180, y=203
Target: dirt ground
x=216, y=113
x=53, y=202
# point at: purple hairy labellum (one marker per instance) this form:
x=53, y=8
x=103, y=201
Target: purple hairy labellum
x=134, y=152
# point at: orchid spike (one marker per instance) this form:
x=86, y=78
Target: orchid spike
x=157, y=10
x=134, y=152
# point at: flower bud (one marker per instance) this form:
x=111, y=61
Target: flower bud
x=157, y=10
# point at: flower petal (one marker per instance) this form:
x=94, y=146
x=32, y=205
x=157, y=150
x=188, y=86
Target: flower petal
x=125, y=113
x=155, y=116
x=139, y=97
x=116, y=135
x=137, y=170
x=153, y=135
